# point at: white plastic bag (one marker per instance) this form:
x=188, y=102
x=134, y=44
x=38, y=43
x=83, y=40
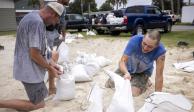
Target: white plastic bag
x=80, y=74
x=166, y=102
x=63, y=53
x=122, y=100
x=65, y=88
x=92, y=68
x=95, y=100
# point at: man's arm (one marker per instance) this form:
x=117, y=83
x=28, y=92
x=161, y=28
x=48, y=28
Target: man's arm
x=39, y=59
x=123, y=68
x=159, y=73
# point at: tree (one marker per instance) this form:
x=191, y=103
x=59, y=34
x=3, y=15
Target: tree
x=106, y=7
x=124, y=2
x=33, y=3
x=172, y=5
x=75, y=7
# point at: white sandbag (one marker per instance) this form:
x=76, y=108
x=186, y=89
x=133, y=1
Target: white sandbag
x=102, y=61
x=65, y=88
x=79, y=35
x=166, y=102
x=122, y=100
x=95, y=100
x=92, y=68
x=91, y=33
x=80, y=74
x=84, y=58
x=183, y=64
x=63, y=53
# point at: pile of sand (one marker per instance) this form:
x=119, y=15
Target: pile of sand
x=174, y=81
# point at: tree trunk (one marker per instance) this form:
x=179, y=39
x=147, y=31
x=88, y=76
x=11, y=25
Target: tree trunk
x=162, y=3
x=178, y=7
x=172, y=5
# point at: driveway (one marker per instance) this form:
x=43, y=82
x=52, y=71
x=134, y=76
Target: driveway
x=182, y=27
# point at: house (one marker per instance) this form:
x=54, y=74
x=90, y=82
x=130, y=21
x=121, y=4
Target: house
x=7, y=15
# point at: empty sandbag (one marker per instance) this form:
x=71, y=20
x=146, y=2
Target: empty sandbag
x=92, y=68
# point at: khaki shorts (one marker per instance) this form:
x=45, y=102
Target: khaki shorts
x=139, y=80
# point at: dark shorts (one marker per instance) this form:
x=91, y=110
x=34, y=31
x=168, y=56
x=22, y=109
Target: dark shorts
x=139, y=80
x=36, y=91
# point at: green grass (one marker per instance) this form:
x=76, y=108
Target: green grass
x=171, y=39
x=2, y=33
x=179, y=23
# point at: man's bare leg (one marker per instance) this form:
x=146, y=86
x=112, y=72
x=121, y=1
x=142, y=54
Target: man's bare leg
x=52, y=88
x=21, y=105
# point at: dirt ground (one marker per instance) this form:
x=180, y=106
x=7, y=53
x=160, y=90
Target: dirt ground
x=175, y=81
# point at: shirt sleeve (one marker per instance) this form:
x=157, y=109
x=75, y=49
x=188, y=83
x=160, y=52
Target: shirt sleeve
x=130, y=46
x=36, y=35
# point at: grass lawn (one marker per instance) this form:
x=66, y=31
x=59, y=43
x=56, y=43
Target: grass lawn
x=169, y=39
x=7, y=33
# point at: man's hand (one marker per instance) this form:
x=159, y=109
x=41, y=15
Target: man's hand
x=127, y=76
x=54, y=70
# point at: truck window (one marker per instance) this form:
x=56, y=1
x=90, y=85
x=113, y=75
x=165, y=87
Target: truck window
x=135, y=9
x=153, y=10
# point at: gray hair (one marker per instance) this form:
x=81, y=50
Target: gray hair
x=154, y=35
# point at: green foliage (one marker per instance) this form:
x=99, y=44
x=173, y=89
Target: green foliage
x=75, y=7
x=106, y=7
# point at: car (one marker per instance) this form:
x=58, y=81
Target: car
x=76, y=21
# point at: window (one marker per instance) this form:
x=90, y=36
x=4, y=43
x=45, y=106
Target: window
x=135, y=9
x=153, y=10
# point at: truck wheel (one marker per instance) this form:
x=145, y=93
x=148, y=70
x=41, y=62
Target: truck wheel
x=138, y=30
x=115, y=33
x=168, y=27
x=100, y=32
x=79, y=30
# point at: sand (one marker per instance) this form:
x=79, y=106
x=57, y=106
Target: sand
x=175, y=81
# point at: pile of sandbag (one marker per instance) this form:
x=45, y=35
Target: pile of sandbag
x=166, y=102
x=87, y=66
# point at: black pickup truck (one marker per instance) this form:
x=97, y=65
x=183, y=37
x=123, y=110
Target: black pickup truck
x=137, y=19
x=76, y=21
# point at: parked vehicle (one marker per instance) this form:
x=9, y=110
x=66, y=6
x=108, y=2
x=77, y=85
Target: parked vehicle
x=175, y=18
x=137, y=19
x=187, y=14
x=76, y=21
